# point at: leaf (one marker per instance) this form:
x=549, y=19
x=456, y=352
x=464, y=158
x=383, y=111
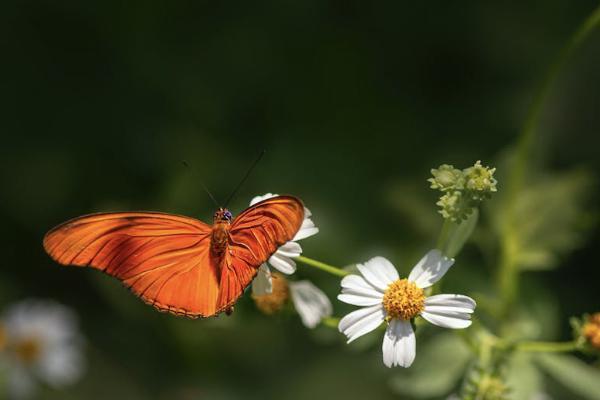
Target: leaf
x=572, y=373
x=438, y=367
x=523, y=377
x=548, y=219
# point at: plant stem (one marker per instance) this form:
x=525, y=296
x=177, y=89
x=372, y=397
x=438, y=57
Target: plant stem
x=331, y=322
x=508, y=280
x=443, y=237
x=322, y=266
x=546, y=347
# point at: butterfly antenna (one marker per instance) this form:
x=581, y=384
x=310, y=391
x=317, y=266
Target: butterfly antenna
x=262, y=153
x=185, y=164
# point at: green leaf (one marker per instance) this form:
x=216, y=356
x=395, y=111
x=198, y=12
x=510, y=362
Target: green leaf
x=523, y=377
x=572, y=373
x=549, y=218
x=438, y=367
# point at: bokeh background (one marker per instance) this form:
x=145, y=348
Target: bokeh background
x=353, y=101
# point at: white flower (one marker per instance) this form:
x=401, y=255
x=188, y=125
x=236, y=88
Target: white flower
x=42, y=343
x=309, y=301
x=282, y=259
x=383, y=296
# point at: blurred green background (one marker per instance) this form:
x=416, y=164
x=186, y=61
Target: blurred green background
x=354, y=103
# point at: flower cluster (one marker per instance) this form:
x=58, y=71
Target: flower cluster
x=39, y=341
x=463, y=190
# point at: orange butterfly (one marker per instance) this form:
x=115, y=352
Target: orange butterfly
x=175, y=263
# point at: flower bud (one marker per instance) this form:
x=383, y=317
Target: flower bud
x=480, y=179
x=446, y=177
x=591, y=330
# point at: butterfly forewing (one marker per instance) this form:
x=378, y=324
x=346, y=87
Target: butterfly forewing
x=158, y=256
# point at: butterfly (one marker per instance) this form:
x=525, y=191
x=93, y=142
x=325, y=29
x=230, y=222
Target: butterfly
x=175, y=263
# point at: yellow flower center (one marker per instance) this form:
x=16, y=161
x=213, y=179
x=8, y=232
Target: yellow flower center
x=28, y=350
x=403, y=300
x=591, y=330
x=273, y=302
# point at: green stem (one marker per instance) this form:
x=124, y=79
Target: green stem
x=443, y=237
x=546, y=347
x=322, y=266
x=331, y=322
x=508, y=271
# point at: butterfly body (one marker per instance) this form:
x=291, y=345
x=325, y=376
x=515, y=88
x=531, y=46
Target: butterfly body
x=175, y=263
x=220, y=231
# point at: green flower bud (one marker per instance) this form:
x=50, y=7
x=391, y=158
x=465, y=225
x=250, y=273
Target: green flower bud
x=453, y=206
x=479, y=178
x=446, y=177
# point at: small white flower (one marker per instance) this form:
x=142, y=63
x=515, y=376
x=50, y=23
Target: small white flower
x=383, y=296
x=282, y=259
x=42, y=343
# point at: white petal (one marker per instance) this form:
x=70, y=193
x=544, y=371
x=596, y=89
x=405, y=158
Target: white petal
x=258, y=199
x=449, y=304
x=303, y=233
x=307, y=229
x=430, y=269
x=310, y=302
x=447, y=310
x=399, y=344
x=457, y=300
x=361, y=321
x=262, y=284
x=357, y=300
x=290, y=249
x=62, y=365
x=47, y=320
x=448, y=320
x=355, y=284
x=282, y=264
x=379, y=272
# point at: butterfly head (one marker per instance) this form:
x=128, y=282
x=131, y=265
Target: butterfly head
x=222, y=215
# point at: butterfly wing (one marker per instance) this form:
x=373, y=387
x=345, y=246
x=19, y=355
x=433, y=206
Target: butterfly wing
x=253, y=237
x=164, y=259
x=167, y=260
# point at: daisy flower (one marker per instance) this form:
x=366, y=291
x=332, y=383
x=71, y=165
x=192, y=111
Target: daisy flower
x=41, y=343
x=309, y=301
x=282, y=259
x=383, y=296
